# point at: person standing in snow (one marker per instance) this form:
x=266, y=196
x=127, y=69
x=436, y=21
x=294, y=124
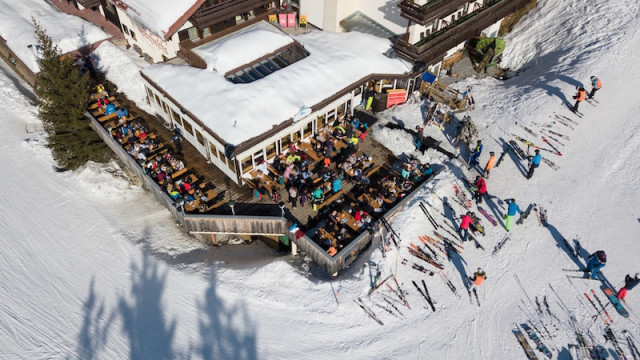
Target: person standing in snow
x=511, y=211
x=481, y=189
x=534, y=162
x=629, y=283
x=597, y=84
x=468, y=96
x=473, y=160
x=478, y=278
x=597, y=260
x=579, y=96
x=465, y=221
x=418, y=139
x=490, y=164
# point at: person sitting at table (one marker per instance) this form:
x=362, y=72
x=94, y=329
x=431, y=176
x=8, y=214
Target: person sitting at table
x=358, y=217
x=357, y=174
x=332, y=251
x=339, y=132
x=426, y=169
x=287, y=171
x=103, y=102
x=160, y=175
x=353, y=158
x=405, y=172
x=327, y=162
x=293, y=158
x=174, y=194
x=327, y=176
x=122, y=114
x=336, y=185
x=110, y=109
x=355, y=122
x=278, y=164
x=262, y=167
x=179, y=165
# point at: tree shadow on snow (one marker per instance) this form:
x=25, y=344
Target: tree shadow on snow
x=225, y=332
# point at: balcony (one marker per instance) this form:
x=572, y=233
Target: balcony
x=431, y=49
x=208, y=15
x=434, y=9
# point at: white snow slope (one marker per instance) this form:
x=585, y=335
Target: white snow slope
x=93, y=269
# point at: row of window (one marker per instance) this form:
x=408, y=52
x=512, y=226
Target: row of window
x=126, y=30
x=188, y=128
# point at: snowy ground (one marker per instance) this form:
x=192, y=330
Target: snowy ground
x=93, y=268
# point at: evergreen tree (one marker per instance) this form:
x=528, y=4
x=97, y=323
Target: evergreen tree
x=64, y=92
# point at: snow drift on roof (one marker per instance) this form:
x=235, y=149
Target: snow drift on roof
x=70, y=32
x=158, y=15
x=242, y=47
x=336, y=61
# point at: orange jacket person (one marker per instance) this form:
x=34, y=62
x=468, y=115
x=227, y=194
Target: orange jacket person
x=490, y=164
x=478, y=278
x=580, y=96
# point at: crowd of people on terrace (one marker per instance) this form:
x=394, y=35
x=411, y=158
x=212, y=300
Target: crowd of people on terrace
x=317, y=174
x=158, y=161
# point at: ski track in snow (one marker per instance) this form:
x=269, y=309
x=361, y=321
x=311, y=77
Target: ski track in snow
x=93, y=268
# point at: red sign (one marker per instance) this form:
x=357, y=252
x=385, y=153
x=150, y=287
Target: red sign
x=395, y=97
x=291, y=20
x=282, y=19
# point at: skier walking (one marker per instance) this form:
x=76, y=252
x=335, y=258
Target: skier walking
x=478, y=278
x=490, y=164
x=597, y=260
x=534, y=162
x=481, y=189
x=473, y=160
x=596, y=84
x=468, y=95
x=465, y=221
x=579, y=96
x=511, y=211
x=629, y=283
x=418, y=139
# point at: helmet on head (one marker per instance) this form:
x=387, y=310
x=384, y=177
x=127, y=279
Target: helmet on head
x=537, y=151
x=592, y=77
x=469, y=213
x=479, y=141
x=491, y=153
x=477, y=177
x=480, y=270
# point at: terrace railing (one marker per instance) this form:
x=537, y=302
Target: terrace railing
x=208, y=15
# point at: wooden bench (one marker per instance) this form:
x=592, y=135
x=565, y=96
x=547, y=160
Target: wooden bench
x=203, y=208
x=96, y=105
x=179, y=173
x=107, y=117
x=373, y=170
x=104, y=109
x=331, y=199
x=117, y=123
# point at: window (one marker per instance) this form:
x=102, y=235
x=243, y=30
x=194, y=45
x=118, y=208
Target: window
x=174, y=116
x=214, y=151
x=232, y=164
x=133, y=36
x=165, y=108
x=206, y=32
x=247, y=165
x=308, y=129
x=321, y=122
x=349, y=106
x=187, y=127
x=199, y=137
x=285, y=141
x=149, y=93
x=157, y=99
x=357, y=91
x=340, y=111
x=296, y=136
x=179, y=120
x=331, y=116
x=271, y=151
x=258, y=157
x=125, y=29
x=222, y=157
x=193, y=33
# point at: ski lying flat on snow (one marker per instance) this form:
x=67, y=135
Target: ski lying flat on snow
x=616, y=303
x=540, y=345
x=368, y=311
x=531, y=355
x=601, y=305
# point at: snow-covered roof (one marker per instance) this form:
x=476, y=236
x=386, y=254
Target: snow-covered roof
x=162, y=17
x=16, y=27
x=239, y=112
x=242, y=47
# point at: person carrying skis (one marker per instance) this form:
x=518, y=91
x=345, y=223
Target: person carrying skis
x=511, y=211
x=490, y=164
x=579, y=96
x=597, y=261
x=481, y=189
x=597, y=84
x=478, y=278
x=465, y=221
x=629, y=283
x=534, y=162
x=473, y=160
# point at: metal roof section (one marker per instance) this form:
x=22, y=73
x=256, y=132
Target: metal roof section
x=360, y=22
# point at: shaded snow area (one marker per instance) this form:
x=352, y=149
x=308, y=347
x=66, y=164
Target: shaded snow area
x=243, y=111
x=242, y=47
x=93, y=268
x=69, y=32
x=157, y=15
x=122, y=67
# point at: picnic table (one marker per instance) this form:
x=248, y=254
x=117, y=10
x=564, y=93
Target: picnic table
x=308, y=149
x=345, y=218
x=367, y=199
